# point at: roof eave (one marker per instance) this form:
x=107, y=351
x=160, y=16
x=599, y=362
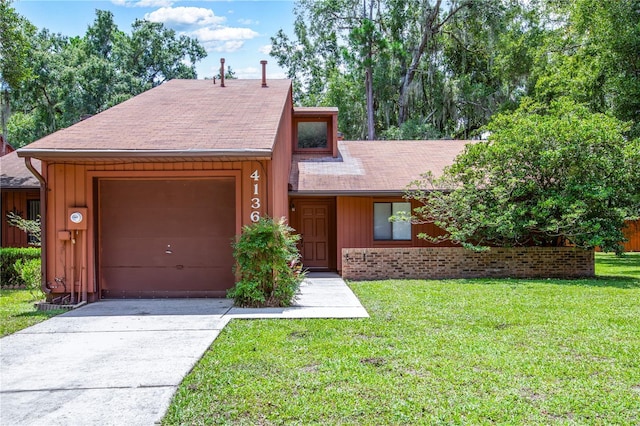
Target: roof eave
x=347, y=193
x=19, y=188
x=42, y=153
x=356, y=193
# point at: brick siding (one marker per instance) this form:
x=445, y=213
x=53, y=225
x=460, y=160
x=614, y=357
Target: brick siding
x=457, y=262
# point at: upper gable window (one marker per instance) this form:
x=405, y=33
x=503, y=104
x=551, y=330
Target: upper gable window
x=312, y=134
x=314, y=130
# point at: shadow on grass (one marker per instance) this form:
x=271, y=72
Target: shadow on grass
x=618, y=281
x=621, y=282
x=42, y=314
x=627, y=265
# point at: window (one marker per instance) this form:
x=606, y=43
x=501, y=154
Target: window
x=33, y=213
x=312, y=134
x=385, y=230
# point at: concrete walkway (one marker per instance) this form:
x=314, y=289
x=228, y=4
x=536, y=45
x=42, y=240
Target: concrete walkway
x=119, y=362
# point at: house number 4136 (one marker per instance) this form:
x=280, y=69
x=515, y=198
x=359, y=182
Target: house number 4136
x=255, y=199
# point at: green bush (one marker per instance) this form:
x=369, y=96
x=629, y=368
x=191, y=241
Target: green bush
x=267, y=265
x=8, y=258
x=29, y=271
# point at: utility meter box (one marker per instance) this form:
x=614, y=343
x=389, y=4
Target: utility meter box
x=77, y=218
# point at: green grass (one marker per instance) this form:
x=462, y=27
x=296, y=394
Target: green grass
x=626, y=266
x=17, y=311
x=435, y=352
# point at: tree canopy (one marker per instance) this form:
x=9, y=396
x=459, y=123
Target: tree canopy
x=421, y=69
x=548, y=175
x=54, y=81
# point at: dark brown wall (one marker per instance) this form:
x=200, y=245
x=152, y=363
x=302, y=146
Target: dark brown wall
x=15, y=200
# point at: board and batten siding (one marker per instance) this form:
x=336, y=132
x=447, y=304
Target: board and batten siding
x=355, y=226
x=15, y=200
x=74, y=185
x=632, y=234
x=281, y=164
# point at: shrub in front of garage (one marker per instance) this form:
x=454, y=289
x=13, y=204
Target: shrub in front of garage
x=268, y=267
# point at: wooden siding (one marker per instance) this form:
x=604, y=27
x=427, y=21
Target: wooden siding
x=355, y=226
x=281, y=165
x=632, y=234
x=73, y=185
x=15, y=200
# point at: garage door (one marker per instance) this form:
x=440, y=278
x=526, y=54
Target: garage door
x=166, y=238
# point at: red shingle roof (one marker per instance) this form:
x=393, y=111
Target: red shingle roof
x=372, y=166
x=15, y=174
x=180, y=115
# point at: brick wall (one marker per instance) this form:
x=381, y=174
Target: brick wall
x=457, y=262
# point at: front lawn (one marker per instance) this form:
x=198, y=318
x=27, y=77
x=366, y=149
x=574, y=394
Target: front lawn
x=17, y=311
x=435, y=352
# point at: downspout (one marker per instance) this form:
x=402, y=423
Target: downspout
x=43, y=224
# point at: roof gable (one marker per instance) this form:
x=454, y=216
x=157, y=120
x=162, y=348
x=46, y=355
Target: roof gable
x=179, y=116
x=15, y=174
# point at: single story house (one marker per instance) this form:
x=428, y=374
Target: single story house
x=145, y=198
x=20, y=194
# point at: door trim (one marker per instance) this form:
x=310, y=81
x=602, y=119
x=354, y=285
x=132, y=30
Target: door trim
x=295, y=222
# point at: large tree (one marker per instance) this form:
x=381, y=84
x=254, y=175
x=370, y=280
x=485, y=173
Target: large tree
x=547, y=175
x=15, y=33
x=66, y=79
x=404, y=68
x=591, y=53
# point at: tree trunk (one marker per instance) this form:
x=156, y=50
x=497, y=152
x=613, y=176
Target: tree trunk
x=368, y=79
x=5, y=112
x=371, y=129
x=432, y=26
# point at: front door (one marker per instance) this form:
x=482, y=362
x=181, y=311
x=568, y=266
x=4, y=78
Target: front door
x=314, y=220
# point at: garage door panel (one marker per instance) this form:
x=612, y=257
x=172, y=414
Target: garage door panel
x=165, y=238
x=171, y=283
x=165, y=251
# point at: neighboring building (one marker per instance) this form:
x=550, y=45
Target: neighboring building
x=20, y=193
x=5, y=148
x=145, y=198
x=632, y=235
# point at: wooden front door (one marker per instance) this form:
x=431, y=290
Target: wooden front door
x=314, y=220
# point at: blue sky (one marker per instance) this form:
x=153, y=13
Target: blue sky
x=238, y=31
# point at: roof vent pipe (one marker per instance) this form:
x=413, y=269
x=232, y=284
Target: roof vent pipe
x=221, y=72
x=264, y=73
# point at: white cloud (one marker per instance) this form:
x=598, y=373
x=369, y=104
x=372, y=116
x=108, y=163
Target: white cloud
x=204, y=25
x=248, y=22
x=248, y=72
x=265, y=50
x=143, y=3
x=184, y=16
x=224, y=34
x=228, y=46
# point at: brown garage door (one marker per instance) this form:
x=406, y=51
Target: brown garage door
x=166, y=238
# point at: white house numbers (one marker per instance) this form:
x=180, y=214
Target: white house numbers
x=256, y=200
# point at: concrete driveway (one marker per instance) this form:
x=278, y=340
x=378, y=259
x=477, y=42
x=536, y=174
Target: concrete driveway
x=119, y=362
x=114, y=362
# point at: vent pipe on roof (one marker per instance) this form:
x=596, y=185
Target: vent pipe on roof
x=264, y=73
x=221, y=72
